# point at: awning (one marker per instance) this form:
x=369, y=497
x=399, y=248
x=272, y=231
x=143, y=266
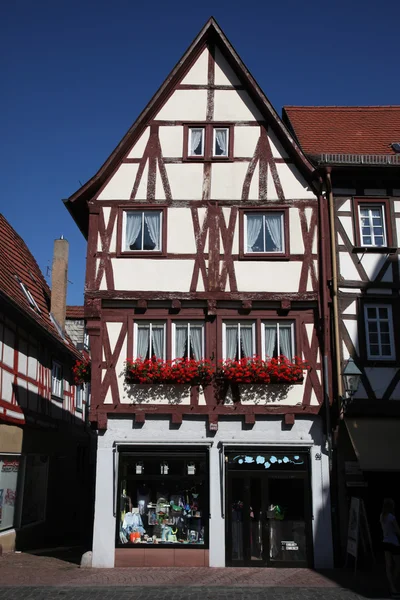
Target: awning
x=376, y=443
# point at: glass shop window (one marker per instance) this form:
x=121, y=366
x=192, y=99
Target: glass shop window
x=163, y=499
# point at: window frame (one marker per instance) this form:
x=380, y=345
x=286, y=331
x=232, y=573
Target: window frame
x=359, y=202
x=121, y=253
x=374, y=358
x=80, y=392
x=214, y=138
x=59, y=397
x=243, y=255
x=203, y=142
x=208, y=154
x=150, y=322
x=238, y=322
x=188, y=322
x=278, y=322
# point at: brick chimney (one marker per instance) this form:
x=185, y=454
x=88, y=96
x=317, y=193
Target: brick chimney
x=59, y=278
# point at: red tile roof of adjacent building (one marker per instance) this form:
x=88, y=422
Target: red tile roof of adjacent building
x=75, y=312
x=17, y=264
x=345, y=129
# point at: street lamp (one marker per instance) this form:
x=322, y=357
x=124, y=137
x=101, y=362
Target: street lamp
x=351, y=379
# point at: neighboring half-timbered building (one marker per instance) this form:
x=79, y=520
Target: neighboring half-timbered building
x=45, y=486
x=203, y=244
x=357, y=150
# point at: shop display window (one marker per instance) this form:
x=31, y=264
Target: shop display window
x=163, y=499
x=9, y=469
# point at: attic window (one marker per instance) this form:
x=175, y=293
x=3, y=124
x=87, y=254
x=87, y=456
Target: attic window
x=28, y=295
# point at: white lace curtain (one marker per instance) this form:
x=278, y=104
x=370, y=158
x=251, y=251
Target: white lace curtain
x=152, y=220
x=181, y=339
x=147, y=334
x=254, y=225
x=133, y=228
x=270, y=341
x=231, y=339
x=284, y=340
x=196, y=142
x=143, y=339
x=246, y=338
x=231, y=342
x=273, y=223
x=221, y=137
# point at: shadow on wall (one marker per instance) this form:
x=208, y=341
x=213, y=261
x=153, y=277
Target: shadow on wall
x=55, y=496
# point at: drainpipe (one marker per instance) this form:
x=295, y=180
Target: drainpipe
x=335, y=300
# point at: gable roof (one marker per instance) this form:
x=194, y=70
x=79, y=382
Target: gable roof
x=17, y=264
x=211, y=33
x=345, y=129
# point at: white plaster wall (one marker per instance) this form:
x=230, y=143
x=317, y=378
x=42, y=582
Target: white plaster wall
x=113, y=240
x=245, y=141
x=184, y=105
x=235, y=246
x=119, y=187
x=270, y=276
x=234, y=105
x=277, y=395
x=180, y=233
x=346, y=267
x=151, y=274
x=296, y=237
x=198, y=73
x=171, y=140
x=351, y=309
x=352, y=330
x=138, y=148
x=6, y=387
x=306, y=432
x=276, y=147
x=8, y=347
x=379, y=378
x=22, y=356
x=293, y=184
x=346, y=206
x=227, y=180
x=223, y=73
x=347, y=223
x=186, y=181
x=373, y=263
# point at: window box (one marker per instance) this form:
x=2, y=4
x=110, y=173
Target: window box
x=207, y=142
x=264, y=233
x=373, y=232
x=258, y=371
x=178, y=371
x=142, y=231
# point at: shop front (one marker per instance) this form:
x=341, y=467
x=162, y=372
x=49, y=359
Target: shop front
x=236, y=497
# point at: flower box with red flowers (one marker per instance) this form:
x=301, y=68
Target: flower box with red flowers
x=256, y=370
x=81, y=371
x=178, y=371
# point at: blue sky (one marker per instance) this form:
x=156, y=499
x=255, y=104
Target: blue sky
x=76, y=73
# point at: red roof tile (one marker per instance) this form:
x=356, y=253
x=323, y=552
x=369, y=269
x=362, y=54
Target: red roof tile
x=75, y=312
x=18, y=264
x=345, y=129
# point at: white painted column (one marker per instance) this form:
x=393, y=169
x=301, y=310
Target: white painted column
x=217, y=523
x=104, y=520
x=321, y=507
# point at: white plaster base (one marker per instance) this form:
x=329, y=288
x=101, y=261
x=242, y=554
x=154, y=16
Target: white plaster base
x=266, y=432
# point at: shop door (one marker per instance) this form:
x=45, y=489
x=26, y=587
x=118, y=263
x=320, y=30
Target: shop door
x=268, y=520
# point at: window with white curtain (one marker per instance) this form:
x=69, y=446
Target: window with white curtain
x=277, y=338
x=80, y=394
x=196, y=141
x=142, y=230
x=220, y=141
x=238, y=339
x=57, y=379
x=149, y=339
x=188, y=339
x=264, y=232
x=379, y=331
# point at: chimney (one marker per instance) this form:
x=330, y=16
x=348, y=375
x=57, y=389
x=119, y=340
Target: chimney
x=59, y=278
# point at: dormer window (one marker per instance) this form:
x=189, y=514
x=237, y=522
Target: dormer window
x=28, y=295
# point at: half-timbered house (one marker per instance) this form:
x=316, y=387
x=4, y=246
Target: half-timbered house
x=357, y=151
x=45, y=489
x=203, y=244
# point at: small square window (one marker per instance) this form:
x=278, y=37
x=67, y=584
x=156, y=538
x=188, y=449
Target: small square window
x=188, y=339
x=238, y=339
x=149, y=340
x=57, y=380
x=379, y=332
x=278, y=339
x=221, y=141
x=264, y=233
x=196, y=141
x=142, y=231
x=372, y=225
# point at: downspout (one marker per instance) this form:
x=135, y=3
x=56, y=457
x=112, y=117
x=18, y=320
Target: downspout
x=325, y=325
x=335, y=299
